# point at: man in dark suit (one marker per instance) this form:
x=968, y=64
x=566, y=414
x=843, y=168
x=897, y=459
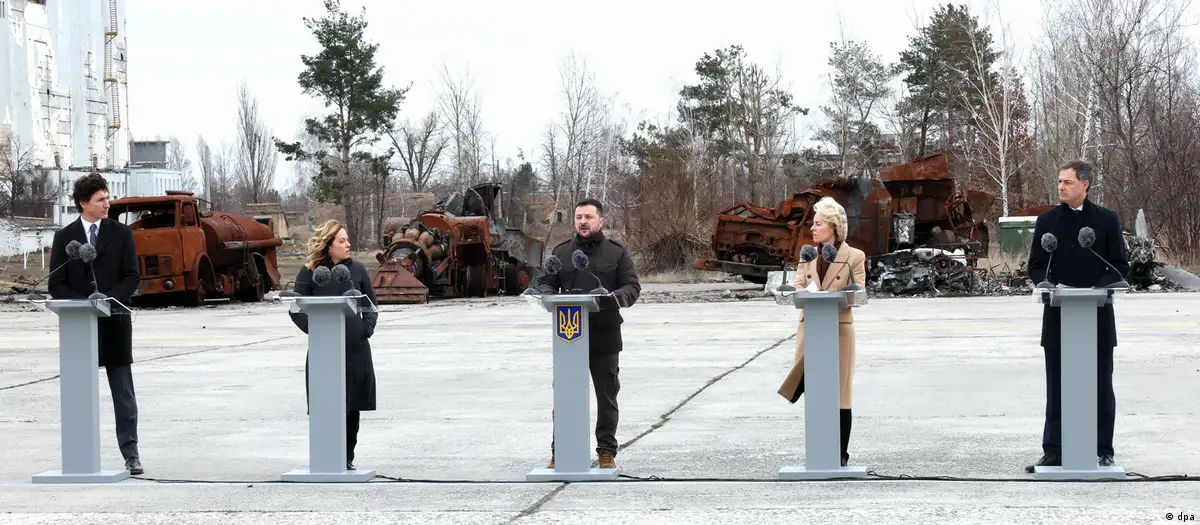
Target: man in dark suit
x=117, y=273
x=1076, y=267
x=610, y=266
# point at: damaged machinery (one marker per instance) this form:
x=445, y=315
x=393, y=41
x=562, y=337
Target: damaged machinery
x=459, y=248
x=192, y=253
x=919, y=232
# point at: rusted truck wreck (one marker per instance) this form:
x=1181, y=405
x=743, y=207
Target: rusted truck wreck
x=190, y=254
x=462, y=247
x=920, y=233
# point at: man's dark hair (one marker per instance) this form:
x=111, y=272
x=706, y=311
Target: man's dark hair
x=1083, y=170
x=87, y=186
x=592, y=202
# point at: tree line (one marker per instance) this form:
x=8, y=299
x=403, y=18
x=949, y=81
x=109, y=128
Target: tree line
x=1114, y=82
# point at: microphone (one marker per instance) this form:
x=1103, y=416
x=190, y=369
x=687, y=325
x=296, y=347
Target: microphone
x=829, y=253
x=341, y=274
x=72, y=254
x=552, y=266
x=320, y=277
x=87, y=254
x=581, y=261
x=1049, y=243
x=1087, y=237
x=807, y=253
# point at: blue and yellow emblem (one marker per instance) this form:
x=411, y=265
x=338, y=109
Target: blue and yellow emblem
x=568, y=324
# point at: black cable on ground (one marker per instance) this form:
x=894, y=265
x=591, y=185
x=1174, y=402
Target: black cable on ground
x=871, y=476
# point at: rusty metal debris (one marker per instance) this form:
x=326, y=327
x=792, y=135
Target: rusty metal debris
x=917, y=229
x=192, y=255
x=459, y=248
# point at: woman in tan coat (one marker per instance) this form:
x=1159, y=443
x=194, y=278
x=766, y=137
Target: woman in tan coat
x=830, y=228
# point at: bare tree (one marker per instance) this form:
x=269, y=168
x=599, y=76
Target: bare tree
x=178, y=160
x=580, y=125
x=256, y=153
x=420, y=147
x=555, y=177
x=207, y=175
x=860, y=83
x=1116, y=83
x=224, y=184
x=23, y=189
x=995, y=100
x=461, y=113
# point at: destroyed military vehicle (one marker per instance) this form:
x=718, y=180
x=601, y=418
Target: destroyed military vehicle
x=917, y=229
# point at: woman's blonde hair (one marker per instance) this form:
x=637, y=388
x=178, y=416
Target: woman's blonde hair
x=835, y=215
x=318, y=244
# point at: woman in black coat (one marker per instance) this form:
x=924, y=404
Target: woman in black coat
x=330, y=246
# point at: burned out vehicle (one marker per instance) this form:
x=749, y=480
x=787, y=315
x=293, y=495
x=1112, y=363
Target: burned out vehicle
x=917, y=229
x=192, y=255
x=462, y=247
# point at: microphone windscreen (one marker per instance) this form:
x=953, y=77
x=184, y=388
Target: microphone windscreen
x=1087, y=236
x=73, y=249
x=579, y=260
x=321, y=275
x=87, y=253
x=341, y=273
x=553, y=265
x=829, y=253
x=1049, y=242
x=808, y=253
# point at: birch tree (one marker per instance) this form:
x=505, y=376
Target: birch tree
x=860, y=84
x=995, y=101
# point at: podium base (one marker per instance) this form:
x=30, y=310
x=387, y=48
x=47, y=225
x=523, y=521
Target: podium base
x=1062, y=473
x=349, y=476
x=596, y=474
x=104, y=476
x=802, y=473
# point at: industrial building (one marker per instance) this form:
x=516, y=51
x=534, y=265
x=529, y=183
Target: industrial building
x=64, y=93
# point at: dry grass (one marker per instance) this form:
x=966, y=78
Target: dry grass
x=1002, y=263
x=684, y=276
x=13, y=271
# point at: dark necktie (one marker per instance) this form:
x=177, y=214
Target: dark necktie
x=92, y=235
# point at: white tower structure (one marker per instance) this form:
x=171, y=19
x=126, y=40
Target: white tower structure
x=63, y=82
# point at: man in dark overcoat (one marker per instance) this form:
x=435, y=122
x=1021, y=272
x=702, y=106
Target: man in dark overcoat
x=610, y=266
x=1077, y=267
x=117, y=274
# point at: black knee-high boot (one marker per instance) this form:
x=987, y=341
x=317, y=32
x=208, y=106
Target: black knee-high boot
x=352, y=424
x=845, y=413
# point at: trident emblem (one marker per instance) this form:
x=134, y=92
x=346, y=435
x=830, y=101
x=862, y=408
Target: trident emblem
x=569, y=326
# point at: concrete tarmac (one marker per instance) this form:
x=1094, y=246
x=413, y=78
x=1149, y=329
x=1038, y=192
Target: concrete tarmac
x=948, y=409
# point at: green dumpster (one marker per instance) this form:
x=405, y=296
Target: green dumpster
x=1016, y=235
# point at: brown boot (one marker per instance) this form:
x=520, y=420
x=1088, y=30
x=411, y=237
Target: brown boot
x=551, y=465
x=607, y=460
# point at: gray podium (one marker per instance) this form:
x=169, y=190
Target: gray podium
x=79, y=394
x=572, y=392
x=822, y=425
x=1079, y=307
x=327, y=391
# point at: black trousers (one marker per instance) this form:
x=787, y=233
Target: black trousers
x=125, y=412
x=1106, y=402
x=606, y=383
x=352, y=420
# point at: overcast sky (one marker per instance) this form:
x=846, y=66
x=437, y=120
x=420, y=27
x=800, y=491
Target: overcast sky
x=187, y=58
